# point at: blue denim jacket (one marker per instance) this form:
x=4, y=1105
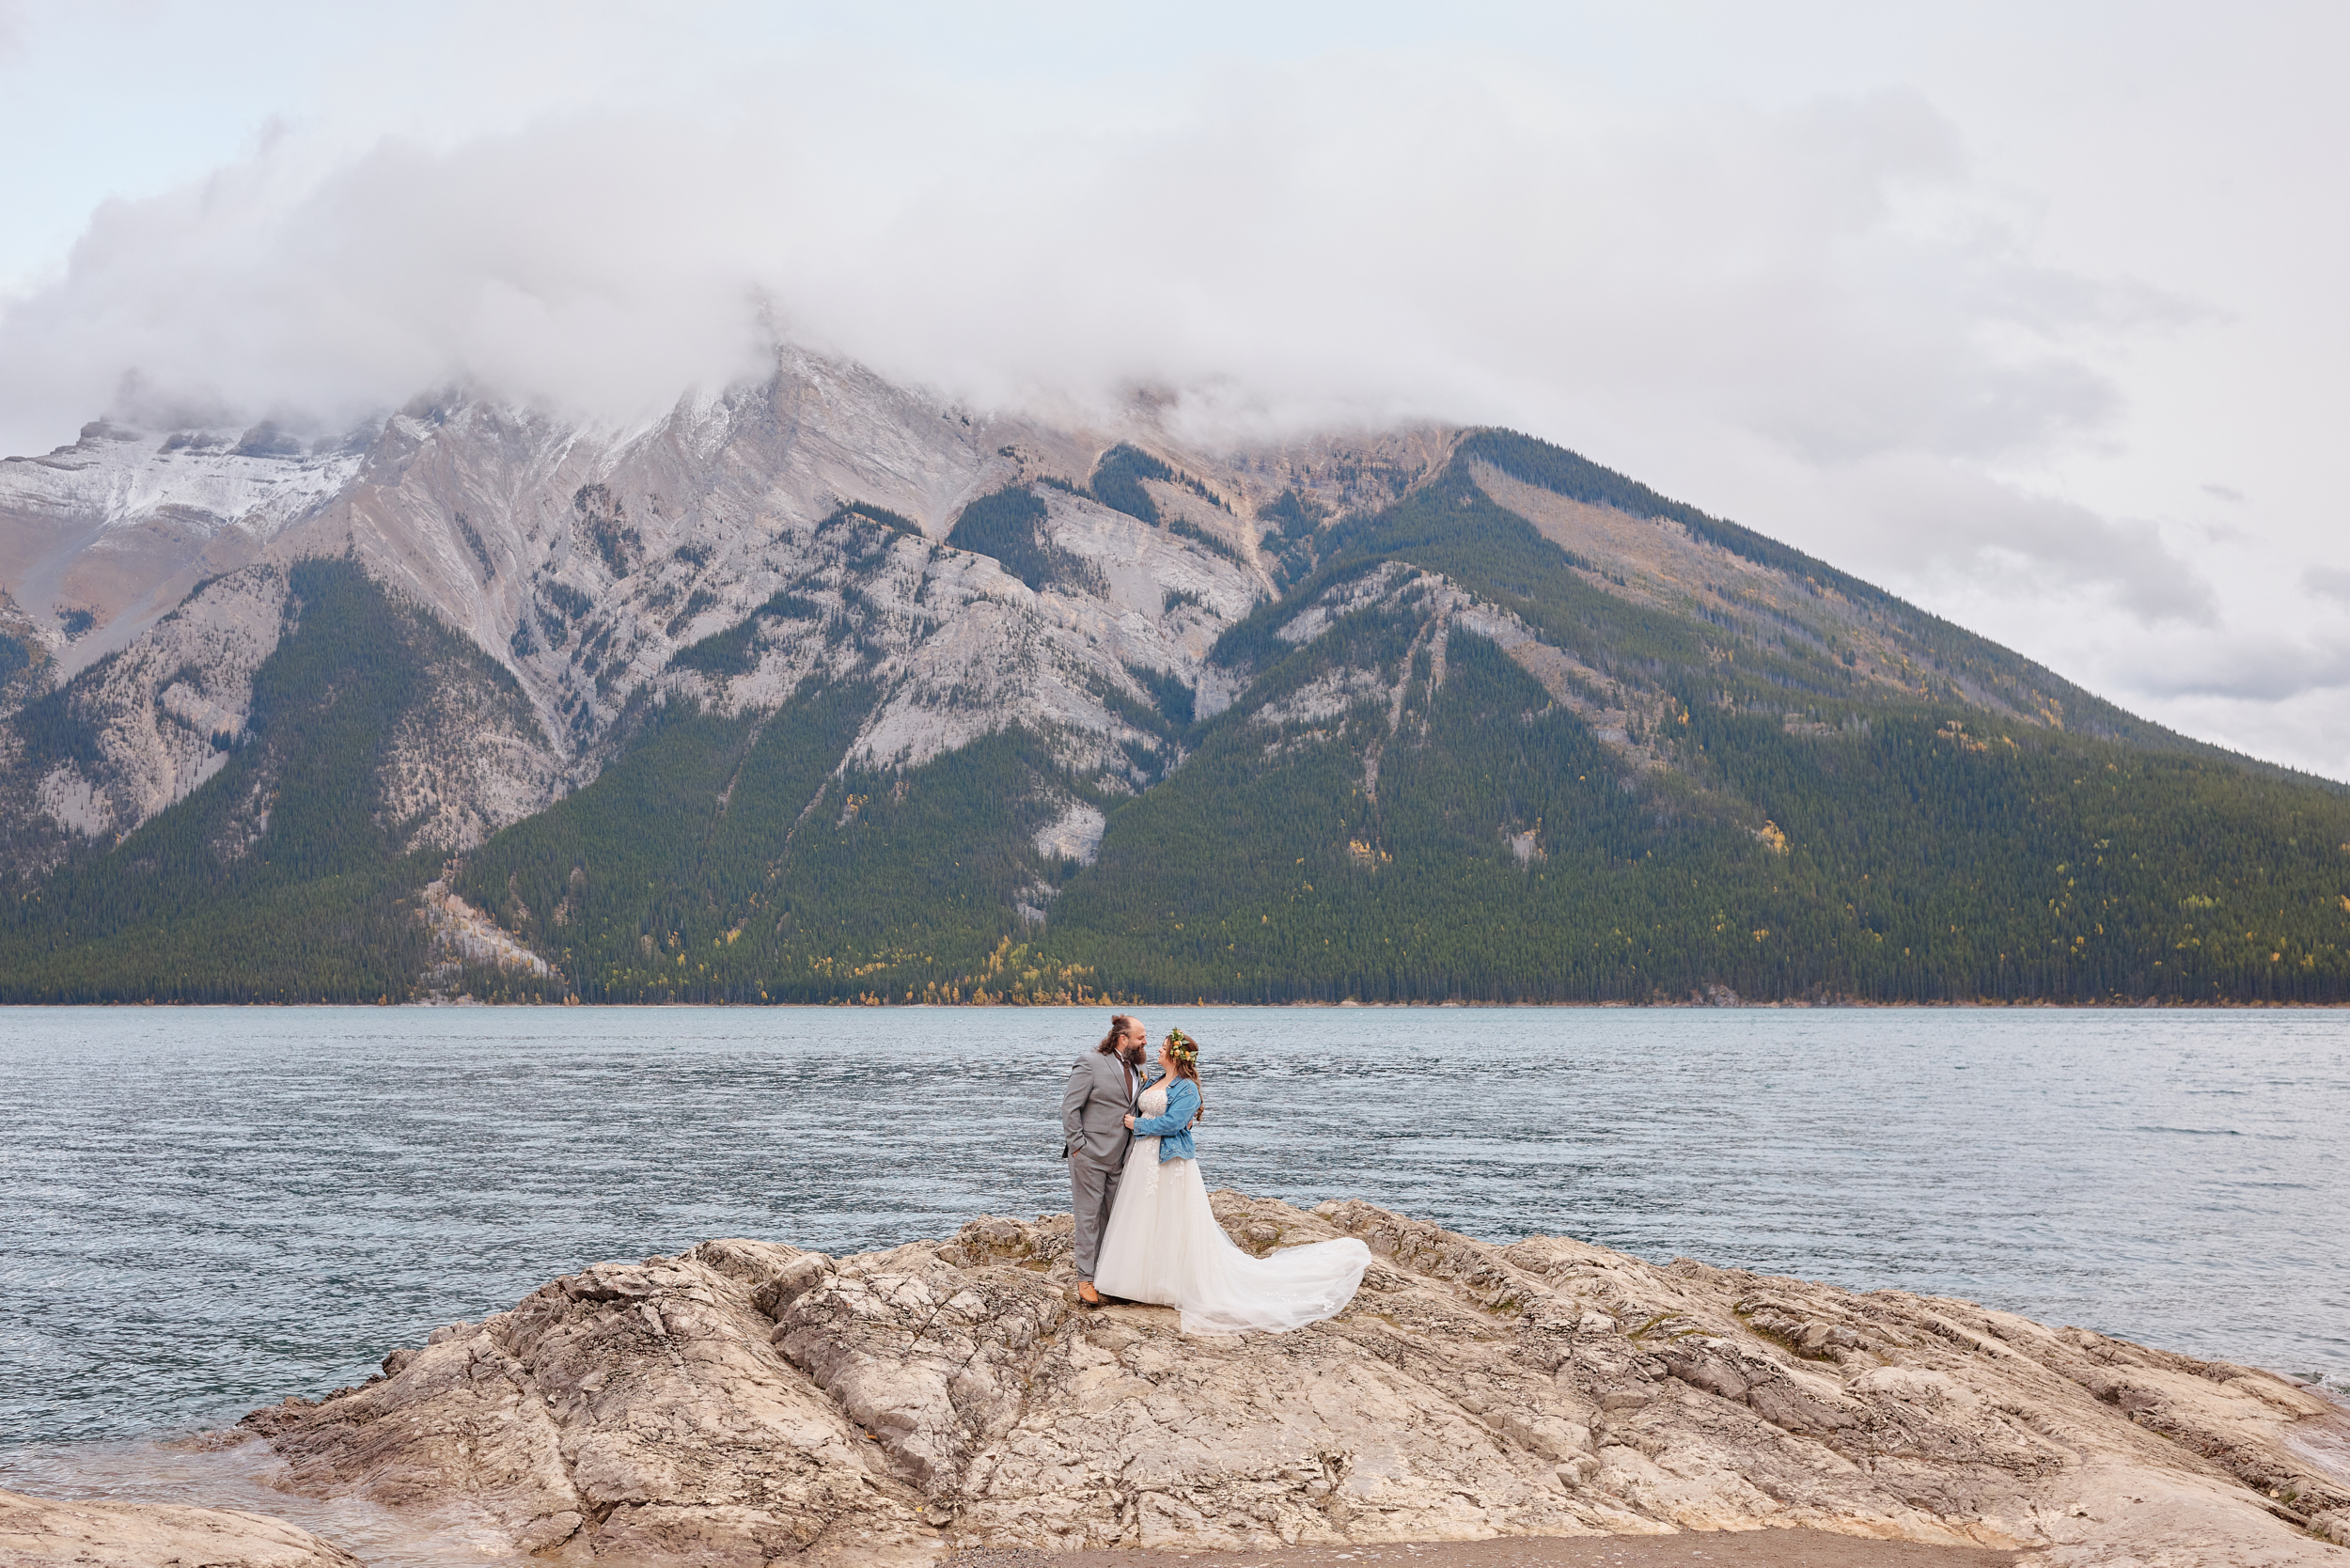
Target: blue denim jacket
x=1173, y=1130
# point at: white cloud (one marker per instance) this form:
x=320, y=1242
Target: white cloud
x=1354, y=235
x=2251, y=668
x=2329, y=582
x=1808, y=307
x=1928, y=519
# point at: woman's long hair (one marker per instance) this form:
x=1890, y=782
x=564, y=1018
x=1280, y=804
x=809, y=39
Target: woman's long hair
x=1186, y=1056
x=1120, y=1026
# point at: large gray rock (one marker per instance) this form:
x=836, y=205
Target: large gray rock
x=748, y=1401
x=36, y=1532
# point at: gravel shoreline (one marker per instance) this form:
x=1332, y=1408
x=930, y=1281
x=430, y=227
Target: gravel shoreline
x=1761, y=1548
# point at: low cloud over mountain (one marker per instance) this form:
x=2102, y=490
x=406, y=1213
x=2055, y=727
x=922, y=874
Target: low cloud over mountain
x=1811, y=308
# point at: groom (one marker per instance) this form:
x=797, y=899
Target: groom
x=1102, y=1088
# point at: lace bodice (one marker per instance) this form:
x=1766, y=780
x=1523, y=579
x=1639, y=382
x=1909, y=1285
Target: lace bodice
x=1153, y=1100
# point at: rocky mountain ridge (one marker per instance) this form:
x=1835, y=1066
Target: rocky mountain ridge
x=687, y=710
x=582, y=561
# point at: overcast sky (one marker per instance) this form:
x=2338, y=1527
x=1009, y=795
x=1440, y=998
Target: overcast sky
x=2033, y=313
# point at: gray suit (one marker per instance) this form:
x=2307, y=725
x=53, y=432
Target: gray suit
x=1094, y=1140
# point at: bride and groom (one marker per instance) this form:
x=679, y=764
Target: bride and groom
x=1145, y=1232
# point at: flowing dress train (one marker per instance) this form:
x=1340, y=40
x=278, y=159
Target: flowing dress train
x=1163, y=1246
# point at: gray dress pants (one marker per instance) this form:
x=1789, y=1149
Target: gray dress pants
x=1092, y=1189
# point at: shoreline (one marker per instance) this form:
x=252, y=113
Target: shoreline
x=1744, y=1548
x=1984, y=1005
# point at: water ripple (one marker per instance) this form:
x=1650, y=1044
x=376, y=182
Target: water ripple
x=210, y=1209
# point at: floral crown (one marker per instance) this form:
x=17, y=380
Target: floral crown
x=1186, y=1049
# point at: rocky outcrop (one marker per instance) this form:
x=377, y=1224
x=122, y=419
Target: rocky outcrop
x=38, y=1532
x=160, y=717
x=144, y=728
x=746, y=1401
x=1437, y=608
x=464, y=938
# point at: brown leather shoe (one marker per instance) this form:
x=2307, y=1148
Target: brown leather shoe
x=1087, y=1295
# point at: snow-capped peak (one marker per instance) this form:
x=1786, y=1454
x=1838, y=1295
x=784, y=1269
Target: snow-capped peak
x=262, y=477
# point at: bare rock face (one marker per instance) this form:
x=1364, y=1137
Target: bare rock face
x=147, y=575
x=36, y=1532
x=634, y=1410
x=748, y=1401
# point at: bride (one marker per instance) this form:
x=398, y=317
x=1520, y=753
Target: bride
x=1164, y=1246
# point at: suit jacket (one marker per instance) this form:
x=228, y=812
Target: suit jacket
x=1094, y=1108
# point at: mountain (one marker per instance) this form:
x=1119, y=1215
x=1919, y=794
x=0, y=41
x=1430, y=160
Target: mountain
x=825, y=690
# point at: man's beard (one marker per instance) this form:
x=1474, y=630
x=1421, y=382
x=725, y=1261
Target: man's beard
x=1130, y=1054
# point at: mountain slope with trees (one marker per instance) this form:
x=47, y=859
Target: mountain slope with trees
x=289, y=874
x=1486, y=723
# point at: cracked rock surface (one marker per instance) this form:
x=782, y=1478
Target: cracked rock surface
x=749, y=1403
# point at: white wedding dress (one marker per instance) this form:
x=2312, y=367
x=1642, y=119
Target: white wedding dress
x=1163, y=1246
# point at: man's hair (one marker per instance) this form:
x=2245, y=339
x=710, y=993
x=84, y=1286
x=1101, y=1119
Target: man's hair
x=1120, y=1026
